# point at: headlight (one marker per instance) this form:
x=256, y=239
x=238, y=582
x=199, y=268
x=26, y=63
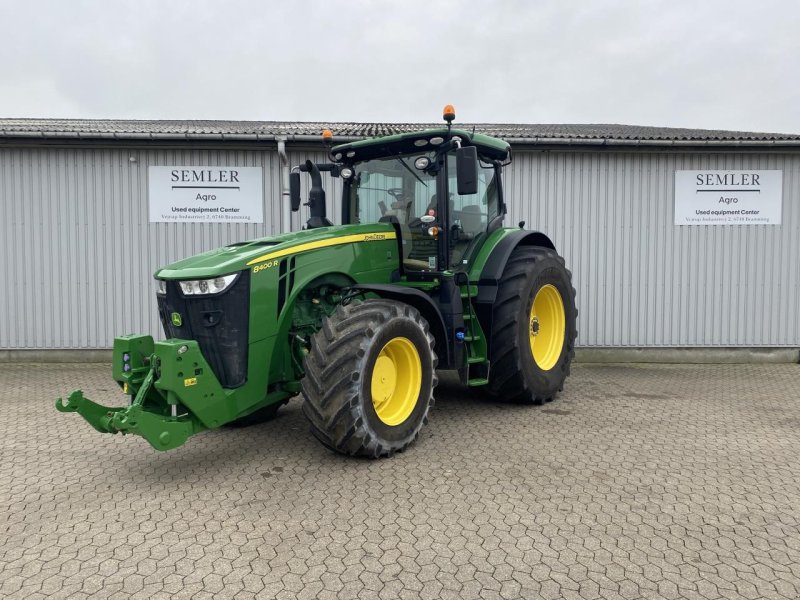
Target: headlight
x=161, y=286
x=202, y=287
x=423, y=162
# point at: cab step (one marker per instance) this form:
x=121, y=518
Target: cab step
x=478, y=373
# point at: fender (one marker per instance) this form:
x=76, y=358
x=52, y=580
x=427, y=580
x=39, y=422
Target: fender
x=493, y=271
x=496, y=264
x=427, y=308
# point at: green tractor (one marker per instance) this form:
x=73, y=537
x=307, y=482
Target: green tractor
x=421, y=275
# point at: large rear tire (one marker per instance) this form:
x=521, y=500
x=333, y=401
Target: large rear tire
x=369, y=378
x=533, y=327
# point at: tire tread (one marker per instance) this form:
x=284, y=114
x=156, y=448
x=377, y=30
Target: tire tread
x=333, y=377
x=507, y=380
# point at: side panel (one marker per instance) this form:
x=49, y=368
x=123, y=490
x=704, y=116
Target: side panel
x=278, y=287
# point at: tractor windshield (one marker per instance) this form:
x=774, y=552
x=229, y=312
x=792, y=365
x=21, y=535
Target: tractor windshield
x=402, y=189
x=391, y=187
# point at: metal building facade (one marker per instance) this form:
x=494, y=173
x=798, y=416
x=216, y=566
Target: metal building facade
x=79, y=253
x=642, y=281
x=78, y=246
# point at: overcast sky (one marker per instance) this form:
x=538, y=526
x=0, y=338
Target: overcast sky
x=707, y=64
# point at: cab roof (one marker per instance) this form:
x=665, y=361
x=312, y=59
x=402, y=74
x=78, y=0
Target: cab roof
x=408, y=143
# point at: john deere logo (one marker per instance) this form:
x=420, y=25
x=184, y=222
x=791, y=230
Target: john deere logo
x=176, y=319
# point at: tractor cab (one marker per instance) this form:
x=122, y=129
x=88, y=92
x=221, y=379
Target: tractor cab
x=440, y=188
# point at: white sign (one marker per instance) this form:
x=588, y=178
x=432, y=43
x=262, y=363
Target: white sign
x=728, y=197
x=206, y=194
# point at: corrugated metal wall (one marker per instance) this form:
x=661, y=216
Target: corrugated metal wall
x=643, y=281
x=79, y=253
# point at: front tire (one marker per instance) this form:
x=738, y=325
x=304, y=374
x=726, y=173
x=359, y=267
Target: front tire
x=369, y=378
x=533, y=327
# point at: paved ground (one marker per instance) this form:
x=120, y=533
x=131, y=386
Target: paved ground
x=639, y=482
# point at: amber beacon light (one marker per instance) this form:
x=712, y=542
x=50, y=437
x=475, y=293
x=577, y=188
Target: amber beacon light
x=327, y=135
x=449, y=113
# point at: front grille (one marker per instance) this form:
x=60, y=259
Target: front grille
x=220, y=325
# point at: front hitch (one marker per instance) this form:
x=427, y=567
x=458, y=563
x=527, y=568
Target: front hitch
x=96, y=415
x=174, y=393
x=162, y=431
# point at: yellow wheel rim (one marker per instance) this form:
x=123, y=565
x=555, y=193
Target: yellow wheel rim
x=546, y=327
x=396, y=381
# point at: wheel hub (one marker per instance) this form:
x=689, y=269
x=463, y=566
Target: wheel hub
x=396, y=381
x=384, y=379
x=548, y=324
x=535, y=326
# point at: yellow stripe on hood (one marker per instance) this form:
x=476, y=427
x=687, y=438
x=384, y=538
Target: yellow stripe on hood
x=337, y=241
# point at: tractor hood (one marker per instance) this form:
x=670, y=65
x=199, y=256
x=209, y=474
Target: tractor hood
x=243, y=255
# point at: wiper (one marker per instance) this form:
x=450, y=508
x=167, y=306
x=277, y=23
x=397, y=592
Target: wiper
x=400, y=160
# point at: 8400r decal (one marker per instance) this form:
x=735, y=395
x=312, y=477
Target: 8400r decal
x=266, y=265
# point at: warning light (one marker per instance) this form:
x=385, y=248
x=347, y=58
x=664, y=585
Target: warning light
x=327, y=135
x=449, y=113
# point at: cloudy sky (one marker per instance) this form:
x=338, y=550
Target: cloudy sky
x=707, y=64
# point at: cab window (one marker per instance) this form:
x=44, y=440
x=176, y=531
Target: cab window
x=392, y=189
x=470, y=214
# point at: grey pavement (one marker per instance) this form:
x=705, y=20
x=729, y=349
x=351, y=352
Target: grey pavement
x=644, y=481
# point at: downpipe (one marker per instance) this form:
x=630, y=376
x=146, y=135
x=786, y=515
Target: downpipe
x=285, y=195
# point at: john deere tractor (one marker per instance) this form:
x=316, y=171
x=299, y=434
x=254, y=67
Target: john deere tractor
x=420, y=276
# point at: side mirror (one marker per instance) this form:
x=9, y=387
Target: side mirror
x=467, y=170
x=294, y=191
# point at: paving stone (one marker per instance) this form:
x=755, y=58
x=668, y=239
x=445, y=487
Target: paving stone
x=640, y=481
